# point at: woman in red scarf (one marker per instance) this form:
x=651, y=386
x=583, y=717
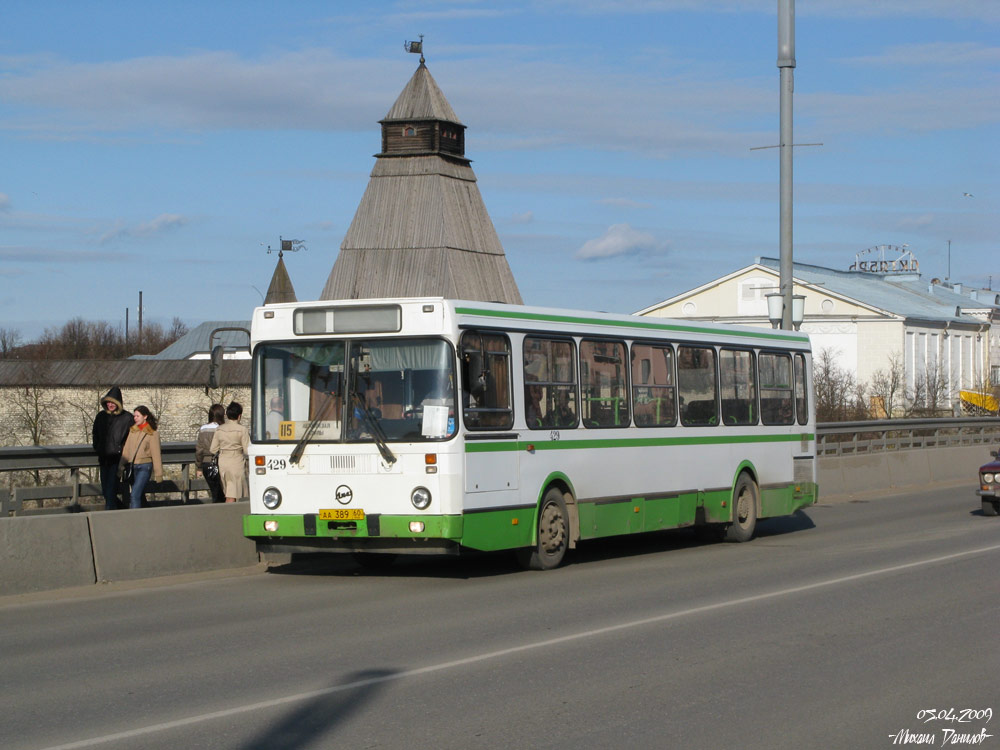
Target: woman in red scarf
x=142, y=450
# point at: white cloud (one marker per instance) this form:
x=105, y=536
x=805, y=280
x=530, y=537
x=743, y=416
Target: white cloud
x=162, y=223
x=523, y=218
x=985, y=10
x=694, y=110
x=30, y=254
x=946, y=54
x=619, y=239
x=4, y=202
x=916, y=222
x=310, y=89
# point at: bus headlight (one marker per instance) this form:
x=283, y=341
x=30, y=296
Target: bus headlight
x=421, y=498
x=988, y=478
x=272, y=498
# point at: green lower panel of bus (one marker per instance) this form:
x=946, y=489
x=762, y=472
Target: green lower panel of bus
x=514, y=527
x=487, y=531
x=499, y=529
x=600, y=518
x=783, y=501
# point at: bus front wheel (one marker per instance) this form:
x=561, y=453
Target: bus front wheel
x=553, y=535
x=744, y=511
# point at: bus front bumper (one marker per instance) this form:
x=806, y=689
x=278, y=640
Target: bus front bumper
x=410, y=534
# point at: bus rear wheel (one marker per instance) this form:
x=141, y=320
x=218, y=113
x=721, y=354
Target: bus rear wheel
x=744, y=511
x=553, y=535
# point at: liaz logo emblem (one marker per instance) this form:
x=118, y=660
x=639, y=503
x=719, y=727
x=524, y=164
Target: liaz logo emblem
x=344, y=494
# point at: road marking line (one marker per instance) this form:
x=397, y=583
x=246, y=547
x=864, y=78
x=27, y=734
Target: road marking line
x=299, y=697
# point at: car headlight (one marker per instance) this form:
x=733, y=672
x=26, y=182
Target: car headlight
x=421, y=498
x=988, y=478
x=272, y=498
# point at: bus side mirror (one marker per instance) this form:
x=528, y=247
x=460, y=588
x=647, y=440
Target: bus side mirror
x=215, y=367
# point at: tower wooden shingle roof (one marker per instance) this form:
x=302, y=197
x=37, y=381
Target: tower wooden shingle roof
x=281, y=289
x=422, y=100
x=422, y=228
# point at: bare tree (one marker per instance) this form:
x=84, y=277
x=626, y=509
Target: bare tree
x=34, y=404
x=929, y=396
x=858, y=405
x=888, y=388
x=177, y=329
x=81, y=339
x=835, y=387
x=10, y=342
x=159, y=403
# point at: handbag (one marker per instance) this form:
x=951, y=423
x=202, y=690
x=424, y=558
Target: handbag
x=126, y=471
x=211, y=469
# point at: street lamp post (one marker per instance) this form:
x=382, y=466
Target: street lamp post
x=786, y=66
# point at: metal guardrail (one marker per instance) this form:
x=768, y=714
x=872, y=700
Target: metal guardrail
x=74, y=458
x=858, y=438
x=832, y=439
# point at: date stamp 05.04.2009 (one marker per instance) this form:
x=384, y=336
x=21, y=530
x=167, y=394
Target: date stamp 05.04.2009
x=947, y=727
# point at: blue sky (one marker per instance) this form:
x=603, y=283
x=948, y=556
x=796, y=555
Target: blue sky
x=161, y=147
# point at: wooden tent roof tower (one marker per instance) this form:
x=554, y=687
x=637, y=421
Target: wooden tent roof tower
x=422, y=228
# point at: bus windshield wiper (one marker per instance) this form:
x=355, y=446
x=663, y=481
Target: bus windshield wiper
x=310, y=430
x=375, y=428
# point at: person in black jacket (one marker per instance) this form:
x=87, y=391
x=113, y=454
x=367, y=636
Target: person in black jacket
x=111, y=426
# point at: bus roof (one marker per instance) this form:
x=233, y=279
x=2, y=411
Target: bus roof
x=472, y=313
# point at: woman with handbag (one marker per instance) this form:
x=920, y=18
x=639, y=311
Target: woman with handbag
x=141, y=454
x=232, y=442
x=206, y=461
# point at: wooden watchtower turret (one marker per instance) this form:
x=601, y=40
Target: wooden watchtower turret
x=422, y=228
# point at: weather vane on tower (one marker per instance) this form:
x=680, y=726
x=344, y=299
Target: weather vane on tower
x=288, y=246
x=416, y=48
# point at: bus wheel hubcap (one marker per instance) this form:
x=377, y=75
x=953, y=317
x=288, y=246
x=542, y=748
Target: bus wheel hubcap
x=552, y=530
x=743, y=507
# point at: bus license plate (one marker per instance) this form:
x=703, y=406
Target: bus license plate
x=342, y=514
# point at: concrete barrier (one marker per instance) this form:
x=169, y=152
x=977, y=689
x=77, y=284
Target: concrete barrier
x=38, y=554
x=911, y=469
x=860, y=474
x=847, y=476
x=957, y=463
x=133, y=544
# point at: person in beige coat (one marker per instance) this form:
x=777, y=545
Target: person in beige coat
x=203, y=454
x=232, y=442
x=142, y=450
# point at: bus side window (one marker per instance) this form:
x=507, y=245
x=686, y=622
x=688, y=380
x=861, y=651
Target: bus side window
x=486, y=396
x=801, y=401
x=775, y=388
x=698, y=384
x=653, y=391
x=739, y=390
x=550, y=383
x=602, y=379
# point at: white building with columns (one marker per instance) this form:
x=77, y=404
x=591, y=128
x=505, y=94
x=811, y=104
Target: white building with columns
x=867, y=319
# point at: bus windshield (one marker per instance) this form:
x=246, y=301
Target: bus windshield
x=374, y=390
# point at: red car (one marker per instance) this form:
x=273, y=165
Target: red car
x=989, y=486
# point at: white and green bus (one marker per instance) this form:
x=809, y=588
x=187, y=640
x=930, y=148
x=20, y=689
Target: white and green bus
x=405, y=426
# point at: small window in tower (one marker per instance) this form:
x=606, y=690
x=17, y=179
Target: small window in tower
x=408, y=131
